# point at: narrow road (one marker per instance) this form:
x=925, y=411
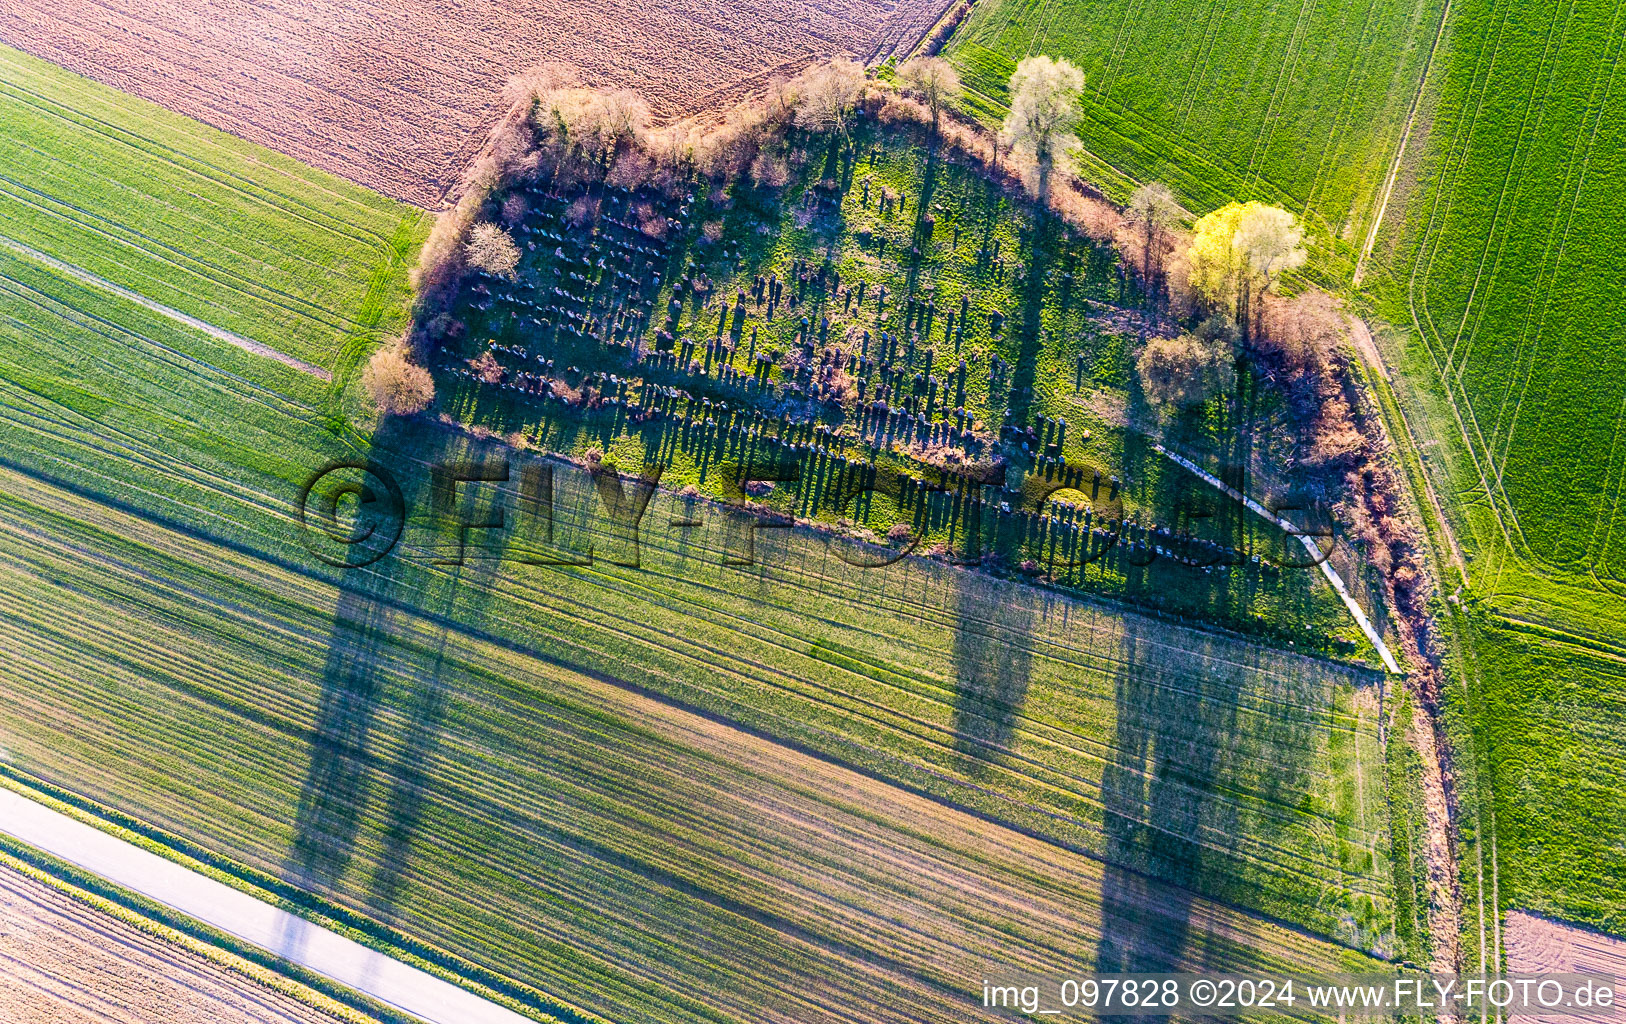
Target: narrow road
x=86, y=277
x=1337, y=582
x=238, y=914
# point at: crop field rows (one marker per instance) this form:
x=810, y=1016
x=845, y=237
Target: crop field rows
x=793, y=790
x=1512, y=286
x=68, y=962
x=1502, y=273
x=1551, y=726
x=1086, y=755
x=198, y=483
x=572, y=806
x=1298, y=104
x=398, y=97
x=265, y=248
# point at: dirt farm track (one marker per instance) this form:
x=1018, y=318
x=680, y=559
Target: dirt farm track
x=398, y=94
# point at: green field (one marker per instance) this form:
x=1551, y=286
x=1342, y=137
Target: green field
x=792, y=791
x=1299, y=104
x=398, y=740
x=237, y=236
x=1499, y=276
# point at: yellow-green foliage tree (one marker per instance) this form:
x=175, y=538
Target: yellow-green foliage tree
x=1240, y=251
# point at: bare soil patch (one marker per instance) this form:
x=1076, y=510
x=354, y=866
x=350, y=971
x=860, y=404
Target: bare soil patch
x=62, y=962
x=1538, y=944
x=399, y=95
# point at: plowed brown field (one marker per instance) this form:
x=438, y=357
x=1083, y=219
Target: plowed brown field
x=66, y=963
x=398, y=95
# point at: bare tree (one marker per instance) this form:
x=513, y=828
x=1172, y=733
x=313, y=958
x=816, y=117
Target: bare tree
x=936, y=82
x=537, y=81
x=1153, y=210
x=826, y=95
x=397, y=385
x=1304, y=331
x=490, y=249
x=1185, y=371
x=1044, y=112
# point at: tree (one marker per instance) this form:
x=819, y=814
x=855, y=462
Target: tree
x=1239, y=251
x=935, y=80
x=490, y=249
x=1152, y=208
x=397, y=385
x=1044, y=112
x=1271, y=241
x=1185, y=371
x=826, y=95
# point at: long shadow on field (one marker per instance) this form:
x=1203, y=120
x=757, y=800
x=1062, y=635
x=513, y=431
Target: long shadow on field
x=1151, y=794
x=1199, y=769
x=380, y=710
x=993, y=664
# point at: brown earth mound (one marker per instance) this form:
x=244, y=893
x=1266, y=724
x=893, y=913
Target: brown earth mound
x=399, y=95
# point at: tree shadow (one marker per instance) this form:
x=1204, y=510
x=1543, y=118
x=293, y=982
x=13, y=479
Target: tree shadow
x=1196, y=788
x=1025, y=367
x=383, y=698
x=992, y=665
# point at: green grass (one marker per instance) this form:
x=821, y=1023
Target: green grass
x=1550, y=728
x=1498, y=275
x=1505, y=280
x=233, y=234
x=1062, y=337
x=1299, y=104
x=685, y=791
x=490, y=758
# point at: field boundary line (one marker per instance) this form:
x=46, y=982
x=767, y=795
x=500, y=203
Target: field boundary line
x=1359, y=614
x=1400, y=150
x=244, y=917
x=94, y=122
x=218, y=333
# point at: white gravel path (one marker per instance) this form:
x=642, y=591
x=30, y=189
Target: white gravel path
x=86, y=277
x=1337, y=582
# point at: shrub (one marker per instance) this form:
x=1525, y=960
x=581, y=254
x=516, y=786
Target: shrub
x=582, y=212
x=769, y=171
x=487, y=368
x=513, y=210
